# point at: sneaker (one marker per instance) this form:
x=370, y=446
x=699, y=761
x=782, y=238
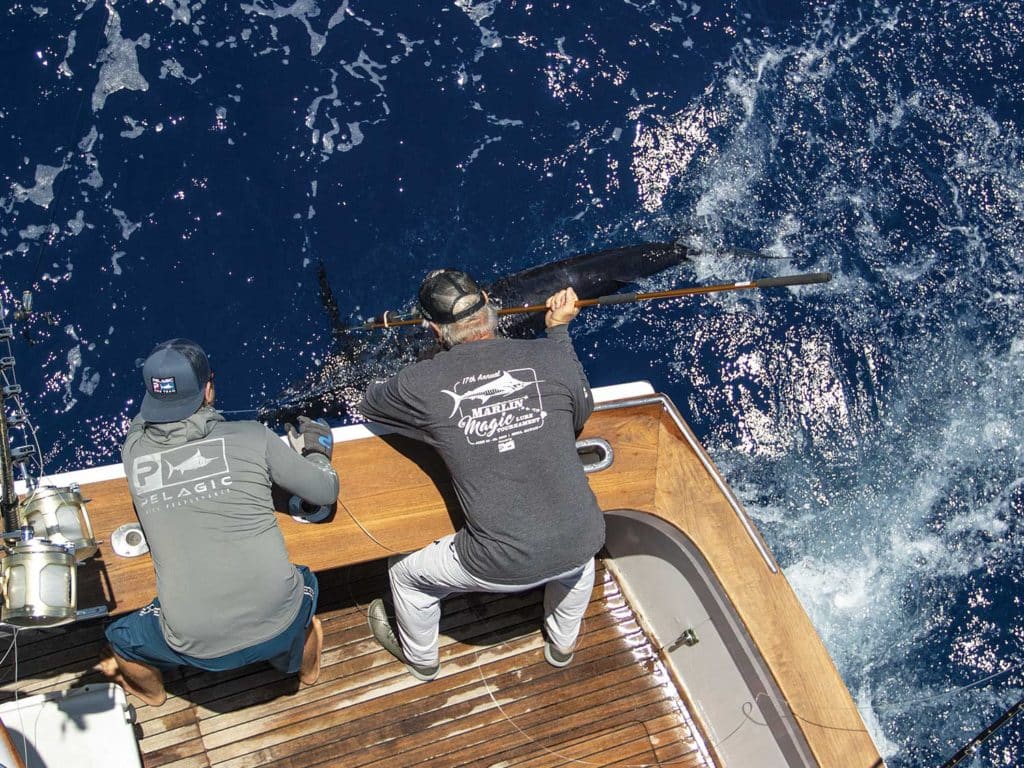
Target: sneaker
x=555, y=657
x=380, y=628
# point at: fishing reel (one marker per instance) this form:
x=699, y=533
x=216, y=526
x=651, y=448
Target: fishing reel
x=38, y=581
x=304, y=512
x=38, y=574
x=61, y=515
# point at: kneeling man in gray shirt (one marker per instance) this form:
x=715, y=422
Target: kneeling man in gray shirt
x=227, y=594
x=504, y=415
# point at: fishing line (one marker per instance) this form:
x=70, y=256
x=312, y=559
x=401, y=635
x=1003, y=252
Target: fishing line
x=951, y=691
x=697, y=736
x=747, y=708
x=791, y=713
x=363, y=529
x=892, y=703
x=77, y=128
x=14, y=637
x=21, y=715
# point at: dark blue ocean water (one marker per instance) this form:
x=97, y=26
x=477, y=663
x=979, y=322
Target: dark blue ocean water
x=181, y=168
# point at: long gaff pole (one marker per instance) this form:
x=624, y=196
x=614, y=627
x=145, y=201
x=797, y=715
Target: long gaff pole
x=390, y=320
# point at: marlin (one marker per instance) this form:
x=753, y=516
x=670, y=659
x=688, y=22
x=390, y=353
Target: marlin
x=195, y=461
x=505, y=385
x=334, y=388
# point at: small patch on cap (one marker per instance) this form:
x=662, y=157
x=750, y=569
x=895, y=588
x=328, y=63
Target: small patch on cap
x=163, y=386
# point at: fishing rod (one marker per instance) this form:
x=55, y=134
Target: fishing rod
x=974, y=744
x=393, y=320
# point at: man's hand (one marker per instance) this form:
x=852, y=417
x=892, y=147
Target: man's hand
x=561, y=308
x=311, y=437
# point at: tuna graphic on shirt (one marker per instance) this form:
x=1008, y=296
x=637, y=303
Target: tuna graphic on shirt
x=505, y=385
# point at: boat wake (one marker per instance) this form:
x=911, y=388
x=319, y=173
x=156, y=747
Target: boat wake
x=871, y=428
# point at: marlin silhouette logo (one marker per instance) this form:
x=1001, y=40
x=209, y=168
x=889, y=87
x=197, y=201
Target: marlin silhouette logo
x=503, y=386
x=195, y=461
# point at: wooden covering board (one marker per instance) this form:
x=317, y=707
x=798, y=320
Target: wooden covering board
x=395, y=497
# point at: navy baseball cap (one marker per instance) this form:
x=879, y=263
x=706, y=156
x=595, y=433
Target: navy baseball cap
x=175, y=375
x=443, y=290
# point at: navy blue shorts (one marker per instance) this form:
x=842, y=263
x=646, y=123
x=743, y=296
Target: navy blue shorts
x=138, y=637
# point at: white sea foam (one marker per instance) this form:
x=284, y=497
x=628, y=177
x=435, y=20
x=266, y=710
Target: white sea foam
x=355, y=138
x=314, y=106
x=471, y=158
x=64, y=69
x=302, y=11
x=876, y=437
x=89, y=140
x=36, y=231
x=339, y=15
x=503, y=121
x=180, y=10
x=42, y=192
x=173, y=68
x=128, y=227
x=368, y=69
x=478, y=12
x=90, y=380
x=135, y=128
x=836, y=591
x=76, y=225
x=74, y=362
x=119, y=70
x=886, y=747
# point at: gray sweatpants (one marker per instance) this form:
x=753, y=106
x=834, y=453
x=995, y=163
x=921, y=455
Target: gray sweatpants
x=420, y=580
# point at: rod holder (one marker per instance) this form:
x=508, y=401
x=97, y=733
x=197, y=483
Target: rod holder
x=22, y=453
x=17, y=420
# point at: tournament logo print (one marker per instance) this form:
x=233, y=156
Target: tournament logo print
x=497, y=407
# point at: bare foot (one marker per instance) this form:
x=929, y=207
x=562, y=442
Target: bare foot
x=107, y=666
x=150, y=685
x=309, y=672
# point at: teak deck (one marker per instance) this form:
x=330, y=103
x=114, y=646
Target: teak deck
x=497, y=702
x=494, y=704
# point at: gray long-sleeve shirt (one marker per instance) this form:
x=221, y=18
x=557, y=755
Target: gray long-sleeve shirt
x=202, y=491
x=504, y=414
